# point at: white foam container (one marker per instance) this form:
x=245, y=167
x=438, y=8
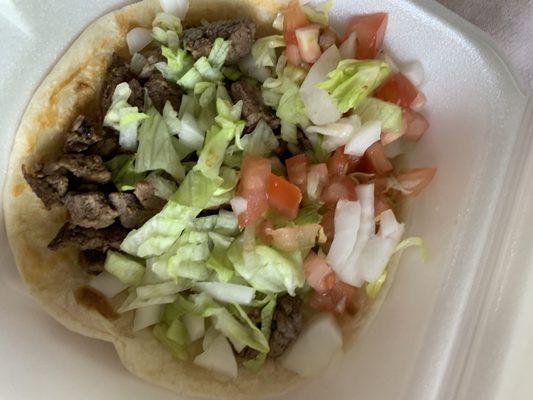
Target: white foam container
x=446, y=329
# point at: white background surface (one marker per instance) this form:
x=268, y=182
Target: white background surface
x=40, y=359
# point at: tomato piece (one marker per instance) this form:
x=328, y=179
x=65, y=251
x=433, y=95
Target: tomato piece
x=398, y=90
x=416, y=180
x=381, y=205
x=293, y=18
x=293, y=55
x=416, y=123
x=297, y=171
x=342, y=164
x=370, y=32
x=253, y=186
x=328, y=223
x=318, y=273
x=375, y=161
x=283, y=196
x=339, y=188
x=339, y=299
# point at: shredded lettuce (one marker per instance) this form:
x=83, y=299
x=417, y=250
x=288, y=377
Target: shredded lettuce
x=218, y=260
x=164, y=188
x=389, y=114
x=267, y=314
x=196, y=189
x=177, y=64
x=126, y=269
x=156, y=151
x=413, y=242
x=261, y=142
x=123, y=173
x=123, y=117
x=372, y=289
x=219, y=52
x=176, y=349
x=264, y=50
x=353, y=81
x=190, y=134
x=320, y=13
x=166, y=29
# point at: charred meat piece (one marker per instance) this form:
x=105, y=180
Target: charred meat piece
x=117, y=72
x=94, y=300
x=131, y=212
x=145, y=192
x=253, y=108
x=107, y=147
x=160, y=91
x=82, y=135
x=137, y=94
x=50, y=188
x=152, y=58
x=241, y=32
x=90, y=210
x=88, y=168
x=89, y=238
x=282, y=151
x=286, y=324
x=303, y=141
x=92, y=261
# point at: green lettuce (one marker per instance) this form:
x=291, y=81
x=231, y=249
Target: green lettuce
x=267, y=314
x=264, y=50
x=390, y=115
x=319, y=13
x=261, y=141
x=123, y=173
x=125, y=268
x=353, y=81
x=177, y=64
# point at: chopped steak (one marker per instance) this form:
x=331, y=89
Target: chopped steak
x=286, y=324
x=107, y=147
x=241, y=32
x=253, y=108
x=50, y=188
x=92, y=261
x=282, y=151
x=152, y=58
x=145, y=192
x=90, y=210
x=303, y=141
x=131, y=212
x=160, y=91
x=94, y=300
x=82, y=135
x=117, y=72
x=137, y=94
x=88, y=238
x=88, y=168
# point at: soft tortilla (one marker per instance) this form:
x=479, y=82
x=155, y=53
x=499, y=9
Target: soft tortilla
x=51, y=276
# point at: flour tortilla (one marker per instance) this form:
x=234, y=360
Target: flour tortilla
x=52, y=276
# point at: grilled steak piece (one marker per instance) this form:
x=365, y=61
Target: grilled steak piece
x=286, y=324
x=88, y=168
x=90, y=210
x=145, y=192
x=160, y=91
x=117, y=72
x=82, y=135
x=253, y=108
x=241, y=32
x=131, y=212
x=92, y=261
x=152, y=58
x=89, y=238
x=50, y=188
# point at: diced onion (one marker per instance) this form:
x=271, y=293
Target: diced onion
x=227, y=292
x=239, y=205
x=414, y=72
x=138, y=39
x=107, y=284
x=138, y=61
x=369, y=134
x=315, y=348
x=348, y=48
x=147, y=316
x=218, y=358
x=278, y=22
x=177, y=7
x=308, y=43
x=347, y=220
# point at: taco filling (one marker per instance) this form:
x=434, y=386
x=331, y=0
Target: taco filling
x=240, y=193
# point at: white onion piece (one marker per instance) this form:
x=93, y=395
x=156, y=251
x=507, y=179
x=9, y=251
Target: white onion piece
x=348, y=48
x=159, y=289
x=138, y=61
x=315, y=348
x=307, y=38
x=237, y=344
x=107, y=284
x=195, y=325
x=414, y=72
x=138, y=39
x=239, y=205
x=210, y=335
x=369, y=134
x=351, y=273
x=347, y=220
x=127, y=138
x=227, y=292
x=386, y=57
x=132, y=303
x=147, y=316
x=319, y=105
x=250, y=68
x=278, y=22
x=177, y=7
x=218, y=358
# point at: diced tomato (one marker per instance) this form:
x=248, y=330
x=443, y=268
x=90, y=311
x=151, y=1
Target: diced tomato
x=263, y=231
x=283, y=196
x=339, y=299
x=381, y=184
x=387, y=137
x=375, y=161
x=328, y=223
x=293, y=55
x=297, y=171
x=339, y=188
x=342, y=164
x=416, y=180
x=293, y=18
x=318, y=273
x=253, y=186
x=417, y=125
x=398, y=90
x=320, y=171
x=370, y=31
x=380, y=205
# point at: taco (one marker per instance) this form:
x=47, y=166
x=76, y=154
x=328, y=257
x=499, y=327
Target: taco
x=205, y=186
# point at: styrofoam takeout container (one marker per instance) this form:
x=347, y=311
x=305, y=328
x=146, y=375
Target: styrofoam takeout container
x=445, y=326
